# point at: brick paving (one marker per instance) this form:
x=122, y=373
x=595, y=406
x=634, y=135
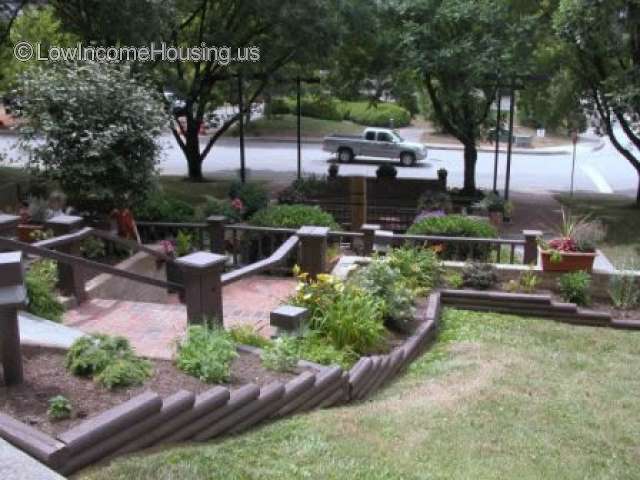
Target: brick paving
x=153, y=328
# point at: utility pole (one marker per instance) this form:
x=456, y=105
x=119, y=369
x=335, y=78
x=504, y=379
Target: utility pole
x=243, y=174
x=495, y=161
x=299, y=124
x=512, y=101
x=574, y=140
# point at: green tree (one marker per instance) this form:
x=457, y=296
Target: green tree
x=460, y=48
x=604, y=37
x=287, y=32
x=92, y=129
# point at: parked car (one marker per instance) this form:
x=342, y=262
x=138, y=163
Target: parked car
x=375, y=142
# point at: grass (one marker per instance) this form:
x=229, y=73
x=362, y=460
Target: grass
x=193, y=192
x=622, y=220
x=497, y=397
x=285, y=126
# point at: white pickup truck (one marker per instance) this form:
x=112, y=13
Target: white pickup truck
x=375, y=142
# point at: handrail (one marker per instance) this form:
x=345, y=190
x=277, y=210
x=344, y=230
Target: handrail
x=253, y=228
x=62, y=240
x=103, y=234
x=85, y=263
x=171, y=224
x=438, y=238
x=274, y=259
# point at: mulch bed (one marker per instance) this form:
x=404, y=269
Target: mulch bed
x=46, y=377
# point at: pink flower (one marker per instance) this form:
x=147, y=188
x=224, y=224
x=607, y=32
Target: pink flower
x=237, y=204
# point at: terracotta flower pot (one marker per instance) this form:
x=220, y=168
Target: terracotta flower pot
x=569, y=262
x=26, y=230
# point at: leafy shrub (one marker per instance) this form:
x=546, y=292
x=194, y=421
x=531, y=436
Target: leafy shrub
x=96, y=127
x=574, y=287
x=246, y=335
x=279, y=106
x=281, y=355
x=386, y=170
x=481, y=276
x=319, y=106
x=624, y=291
x=124, y=372
x=375, y=115
x=93, y=248
x=206, y=353
x=217, y=206
x=435, y=201
x=41, y=279
x=59, y=408
x=419, y=267
x=457, y=226
x=315, y=348
x=110, y=361
x=184, y=244
x=293, y=216
x=348, y=317
x=333, y=170
x=159, y=207
x=302, y=189
x=454, y=280
x=254, y=196
x=384, y=282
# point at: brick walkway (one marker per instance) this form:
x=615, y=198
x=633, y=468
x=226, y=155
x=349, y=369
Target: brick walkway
x=153, y=328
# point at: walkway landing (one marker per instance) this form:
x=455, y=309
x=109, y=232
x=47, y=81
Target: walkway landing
x=153, y=328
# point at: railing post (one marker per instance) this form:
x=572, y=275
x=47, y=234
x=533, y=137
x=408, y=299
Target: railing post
x=358, y=201
x=201, y=273
x=531, y=246
x=288, y=318
x=368, y=231
x=12, y=297
x=383, y=240
x=313, y=250
x=8, y=225
x=70, y=277
x=215, y=225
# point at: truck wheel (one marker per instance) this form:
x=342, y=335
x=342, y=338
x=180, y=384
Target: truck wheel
x=345, y=155
x=407, y=159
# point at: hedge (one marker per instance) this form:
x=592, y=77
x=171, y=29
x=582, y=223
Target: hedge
x=293, y=216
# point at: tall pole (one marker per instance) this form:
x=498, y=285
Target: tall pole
x=243, y=176
x=495, y=161
x=574, y=140
x=299, y=114
x=511, y=106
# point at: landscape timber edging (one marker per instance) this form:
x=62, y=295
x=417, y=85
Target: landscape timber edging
x=148, y=420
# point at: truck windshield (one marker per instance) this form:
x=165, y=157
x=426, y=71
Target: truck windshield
x=397, y=135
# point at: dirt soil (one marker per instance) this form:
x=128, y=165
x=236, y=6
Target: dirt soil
x=46, y=377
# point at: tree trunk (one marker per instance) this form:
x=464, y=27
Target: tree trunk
x=470, y=159
x=192, y=150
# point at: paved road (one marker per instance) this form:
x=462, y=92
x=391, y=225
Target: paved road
x=601, y=170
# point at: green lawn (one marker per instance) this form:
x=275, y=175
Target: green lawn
x=498, y=397
x=285, y=126
x=622, y=219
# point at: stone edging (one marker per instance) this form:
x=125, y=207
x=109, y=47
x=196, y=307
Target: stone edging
x=149, y=420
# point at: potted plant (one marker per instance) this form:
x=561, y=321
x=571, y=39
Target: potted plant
x=33, y=214
x=496, y=207
x=575, y=248
x=181, y=246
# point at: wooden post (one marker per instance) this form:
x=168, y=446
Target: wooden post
x=203, y=286
x=8, y=225
x=358, y=201
x=313, y=250
x=288, y=318
x=216, y=233
x=12, y=296
x=368, y=231
x=70, y=277
x=531, y=246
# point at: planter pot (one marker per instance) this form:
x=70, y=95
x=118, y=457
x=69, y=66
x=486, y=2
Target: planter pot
x=496, y=217
x=570, y=261
x=25, y=232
